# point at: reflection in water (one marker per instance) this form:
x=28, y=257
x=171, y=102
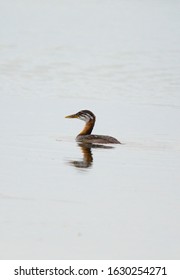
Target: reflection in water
x=87, y=159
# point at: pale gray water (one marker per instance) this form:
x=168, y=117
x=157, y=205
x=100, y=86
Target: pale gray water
x=120, y=59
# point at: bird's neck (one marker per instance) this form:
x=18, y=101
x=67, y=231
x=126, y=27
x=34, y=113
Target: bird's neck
x=88, y=128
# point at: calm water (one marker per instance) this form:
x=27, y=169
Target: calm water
x=120, y=59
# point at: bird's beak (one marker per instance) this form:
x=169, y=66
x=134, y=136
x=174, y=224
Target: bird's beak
x=71, y=116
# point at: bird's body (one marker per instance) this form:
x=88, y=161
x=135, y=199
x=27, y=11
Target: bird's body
x=85, y=135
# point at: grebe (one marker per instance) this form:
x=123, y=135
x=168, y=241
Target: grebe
x=85, y=135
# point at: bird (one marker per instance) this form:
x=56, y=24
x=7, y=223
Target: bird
x=85, y=135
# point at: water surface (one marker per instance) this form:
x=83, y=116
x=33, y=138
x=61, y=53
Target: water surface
x=59, y=200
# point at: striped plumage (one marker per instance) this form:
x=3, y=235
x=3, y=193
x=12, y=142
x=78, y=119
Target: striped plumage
x=85, y=135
